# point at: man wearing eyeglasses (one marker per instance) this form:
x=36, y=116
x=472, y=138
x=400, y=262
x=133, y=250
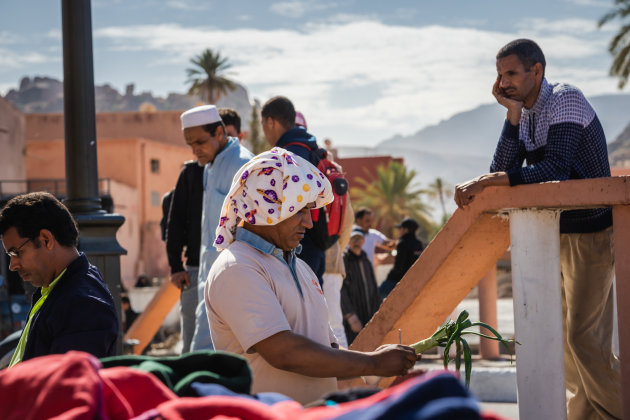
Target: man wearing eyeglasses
x=72, y=308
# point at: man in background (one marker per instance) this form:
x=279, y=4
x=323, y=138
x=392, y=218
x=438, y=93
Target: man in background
x=408, y=250
x=364, y=219
x=555, y=130
x=217, y=179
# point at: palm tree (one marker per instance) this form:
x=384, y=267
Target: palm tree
x=208, y=78
x=257, y=142
x=440, y=190
x=392, y=197
x=619, y=47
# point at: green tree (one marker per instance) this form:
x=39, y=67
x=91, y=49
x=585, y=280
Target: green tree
x=392, y=197
x=619, y=47
x=257, y=142
x=440, y=190
x=208, y=79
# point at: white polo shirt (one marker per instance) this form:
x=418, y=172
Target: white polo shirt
x=252, y=294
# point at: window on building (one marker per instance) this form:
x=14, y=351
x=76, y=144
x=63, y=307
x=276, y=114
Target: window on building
x=155, y=166
x=155, y=199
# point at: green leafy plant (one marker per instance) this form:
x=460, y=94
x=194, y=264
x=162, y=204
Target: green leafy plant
x=452, y=332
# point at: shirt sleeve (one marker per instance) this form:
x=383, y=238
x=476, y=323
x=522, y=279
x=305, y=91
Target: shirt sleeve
x=244, y=299
x=380, y=236
x=510, y=152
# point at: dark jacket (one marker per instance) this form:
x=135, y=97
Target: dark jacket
x=313, y=247
x=359, y=293
x=184, y=218
x=79, y=314
x=408, y=250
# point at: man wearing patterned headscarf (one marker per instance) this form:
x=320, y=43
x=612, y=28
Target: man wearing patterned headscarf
x=265, y=304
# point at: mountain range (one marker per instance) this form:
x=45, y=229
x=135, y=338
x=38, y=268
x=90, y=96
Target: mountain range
x=42, y=94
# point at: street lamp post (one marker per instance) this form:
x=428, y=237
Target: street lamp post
x=97, y=228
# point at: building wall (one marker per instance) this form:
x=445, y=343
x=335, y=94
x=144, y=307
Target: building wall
x=141, y=172
x=163, y=127
x=11, y=146
x=364, y=167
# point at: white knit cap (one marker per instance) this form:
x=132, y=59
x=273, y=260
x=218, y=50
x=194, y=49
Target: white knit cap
x=200, y=115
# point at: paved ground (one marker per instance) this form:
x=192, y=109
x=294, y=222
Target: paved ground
x=507, y=410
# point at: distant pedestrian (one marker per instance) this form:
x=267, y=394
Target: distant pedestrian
x=359, y=295
x=408, y=250
x=128, y=314
x=364, y=219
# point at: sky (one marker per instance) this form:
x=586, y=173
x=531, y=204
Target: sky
x=361, y=71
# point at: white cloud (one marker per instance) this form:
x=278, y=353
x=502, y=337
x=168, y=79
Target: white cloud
x=573, y=26
x=592, y=3
x=298, y=8
x=54, y=34
x=7, y=38
x=421, y=75
x=186, y=5
x=12, y=59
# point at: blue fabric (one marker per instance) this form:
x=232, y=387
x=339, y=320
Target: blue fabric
x=217, y=180
x=442, y=397
x=559, y=138
x=208, y=390
x=79, y=314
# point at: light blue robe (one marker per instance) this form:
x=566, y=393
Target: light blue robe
x=217, y=180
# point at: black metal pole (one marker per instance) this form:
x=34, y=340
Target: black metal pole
x=79, y=109
x=97, y=230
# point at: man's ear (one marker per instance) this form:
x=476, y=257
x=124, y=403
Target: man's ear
x=218, y=133
x=47, y=238
x=538, y=70
x=241, y=136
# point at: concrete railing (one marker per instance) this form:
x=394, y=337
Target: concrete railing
x=469, y=245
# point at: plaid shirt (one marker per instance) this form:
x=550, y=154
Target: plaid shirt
x=559, y=138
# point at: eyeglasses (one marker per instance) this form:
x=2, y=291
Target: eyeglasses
x=15, y=252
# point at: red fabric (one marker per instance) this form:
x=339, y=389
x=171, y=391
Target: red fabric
x=59, y=386
x=71, y=386
x=130, y=392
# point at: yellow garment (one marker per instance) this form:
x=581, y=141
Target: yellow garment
x=19, y=351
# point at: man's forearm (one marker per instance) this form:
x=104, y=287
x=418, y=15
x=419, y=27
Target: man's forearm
x=298, y=354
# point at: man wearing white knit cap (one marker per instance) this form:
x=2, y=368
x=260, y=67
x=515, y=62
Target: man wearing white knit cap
x=196, y=204
x=265, y=304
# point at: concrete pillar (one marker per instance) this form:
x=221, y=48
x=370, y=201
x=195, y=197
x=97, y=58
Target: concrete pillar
x=621, y=235
x=489, y=349
x=535, y=242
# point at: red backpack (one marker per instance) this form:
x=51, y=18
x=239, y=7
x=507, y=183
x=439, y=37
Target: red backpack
x=330, y=225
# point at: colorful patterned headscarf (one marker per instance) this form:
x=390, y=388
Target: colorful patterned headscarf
x=270, y=188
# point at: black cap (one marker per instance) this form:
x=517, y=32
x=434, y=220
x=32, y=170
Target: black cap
x=408, y=223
